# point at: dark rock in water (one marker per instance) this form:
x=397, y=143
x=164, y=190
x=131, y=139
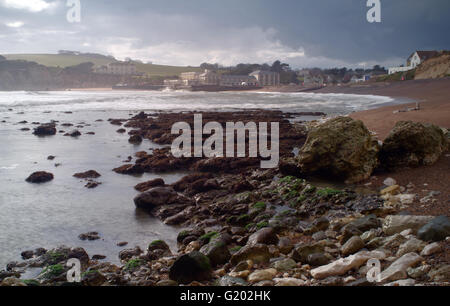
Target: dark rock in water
x=158, y=245
x=129, y=169
x=140, y=116
x=92, y=184
x=159, y=196
x=45, y=130
x=265, y=236
x=27, y=254
x=90, y=133
x=121, y=131
x=191, y=267
x=74, y=133
x=217, y=252
x=51, y=157
x=342, y=148
x=122, y=244
x=259, y=253
x=142, y=187
x=40, y=177
x=413, y=144
x=130, y=253
x=135, y=139
x=89, y=236
x=25, y=129
x=435, y=230
x=88, y=174
x=98, y=257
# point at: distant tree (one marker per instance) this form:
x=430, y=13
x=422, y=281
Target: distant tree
x=80, y=68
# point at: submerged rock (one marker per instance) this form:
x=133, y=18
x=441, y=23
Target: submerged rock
x=45, y=130
x=88, y=174
x=413, y=144
x=341, y=148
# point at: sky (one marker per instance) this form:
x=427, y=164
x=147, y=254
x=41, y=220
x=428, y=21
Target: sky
x=303, y=33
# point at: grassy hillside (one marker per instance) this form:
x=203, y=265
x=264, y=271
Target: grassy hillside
x=62, y=60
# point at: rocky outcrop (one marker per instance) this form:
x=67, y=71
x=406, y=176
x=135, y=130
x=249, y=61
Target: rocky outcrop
x=340, y=148
x=412, y=144
x=160, y=196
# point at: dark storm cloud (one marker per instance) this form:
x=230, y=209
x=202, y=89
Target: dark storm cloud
x=301, y=32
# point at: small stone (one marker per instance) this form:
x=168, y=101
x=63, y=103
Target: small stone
x=441, y=274
x=229, y=281
x=397, y=270
x=418, y=272
x=263, y=236
x=392, y=190
x=397, y=223
x=319, y=236
x=284, y=265
x=431, y=249
x=404, y=282
x=262, y=275
x=389, y=182
x=289, y=282
x=352, y=246
x=412, y=245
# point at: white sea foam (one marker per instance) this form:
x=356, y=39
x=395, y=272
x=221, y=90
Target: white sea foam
x=183, y=100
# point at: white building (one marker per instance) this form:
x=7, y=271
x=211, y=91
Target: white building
x=266, y=78
x=238, y=80
x=414, y=60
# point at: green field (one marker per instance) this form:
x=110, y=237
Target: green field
x=62, y=60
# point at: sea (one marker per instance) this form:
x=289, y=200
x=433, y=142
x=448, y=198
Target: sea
x=56, y=213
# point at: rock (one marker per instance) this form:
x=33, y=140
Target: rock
x=127, y=254
x=435, y=230
x=89, y=236
x=343, y=265
x=262, y=275
x=217, y=252
x=93, y=278
x=289, y=282
x=412, y=144
x=258, y=253
x=284, y=265
x=229, y=281
x=98, y=257
x=80, y=254
x=301, y=252
x=135, y=139
x=431, y=249
x=418, y=272
x=441, y=274
x=397, y=270
x=367, y=223
x=191, y=267
x=167, y=283
x=158, y=245
x=74, y=133
x=121, y=131
x=142, y=187
x=91, y=174
x=285, y=245
x=319, y=236
x=27, y=254
x=397, y=223
x=412, y=245
x=264, y=236
x=122, y=244
x=45, y=130
x=317, y=259
x=389, y=182
x=392, y=190
x=40, y=177
x=159, y=196
x=92, y=184
x=352, y=246
x=12, y=282
x=369, y=235
x=342, y=148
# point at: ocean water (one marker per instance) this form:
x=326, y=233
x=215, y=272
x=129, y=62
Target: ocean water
x=55, y=213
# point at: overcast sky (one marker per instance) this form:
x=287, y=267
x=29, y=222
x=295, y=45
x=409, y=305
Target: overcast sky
x=303, y=33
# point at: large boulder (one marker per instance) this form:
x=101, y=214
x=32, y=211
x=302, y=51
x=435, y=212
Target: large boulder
x=40, y=177
x=341, y=148
x=413, y=144
x=435, y=230
x=159, y=196
x=191, y=267
x=45, y=130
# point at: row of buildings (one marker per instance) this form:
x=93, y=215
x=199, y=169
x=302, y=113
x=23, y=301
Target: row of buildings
x=210, y=78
